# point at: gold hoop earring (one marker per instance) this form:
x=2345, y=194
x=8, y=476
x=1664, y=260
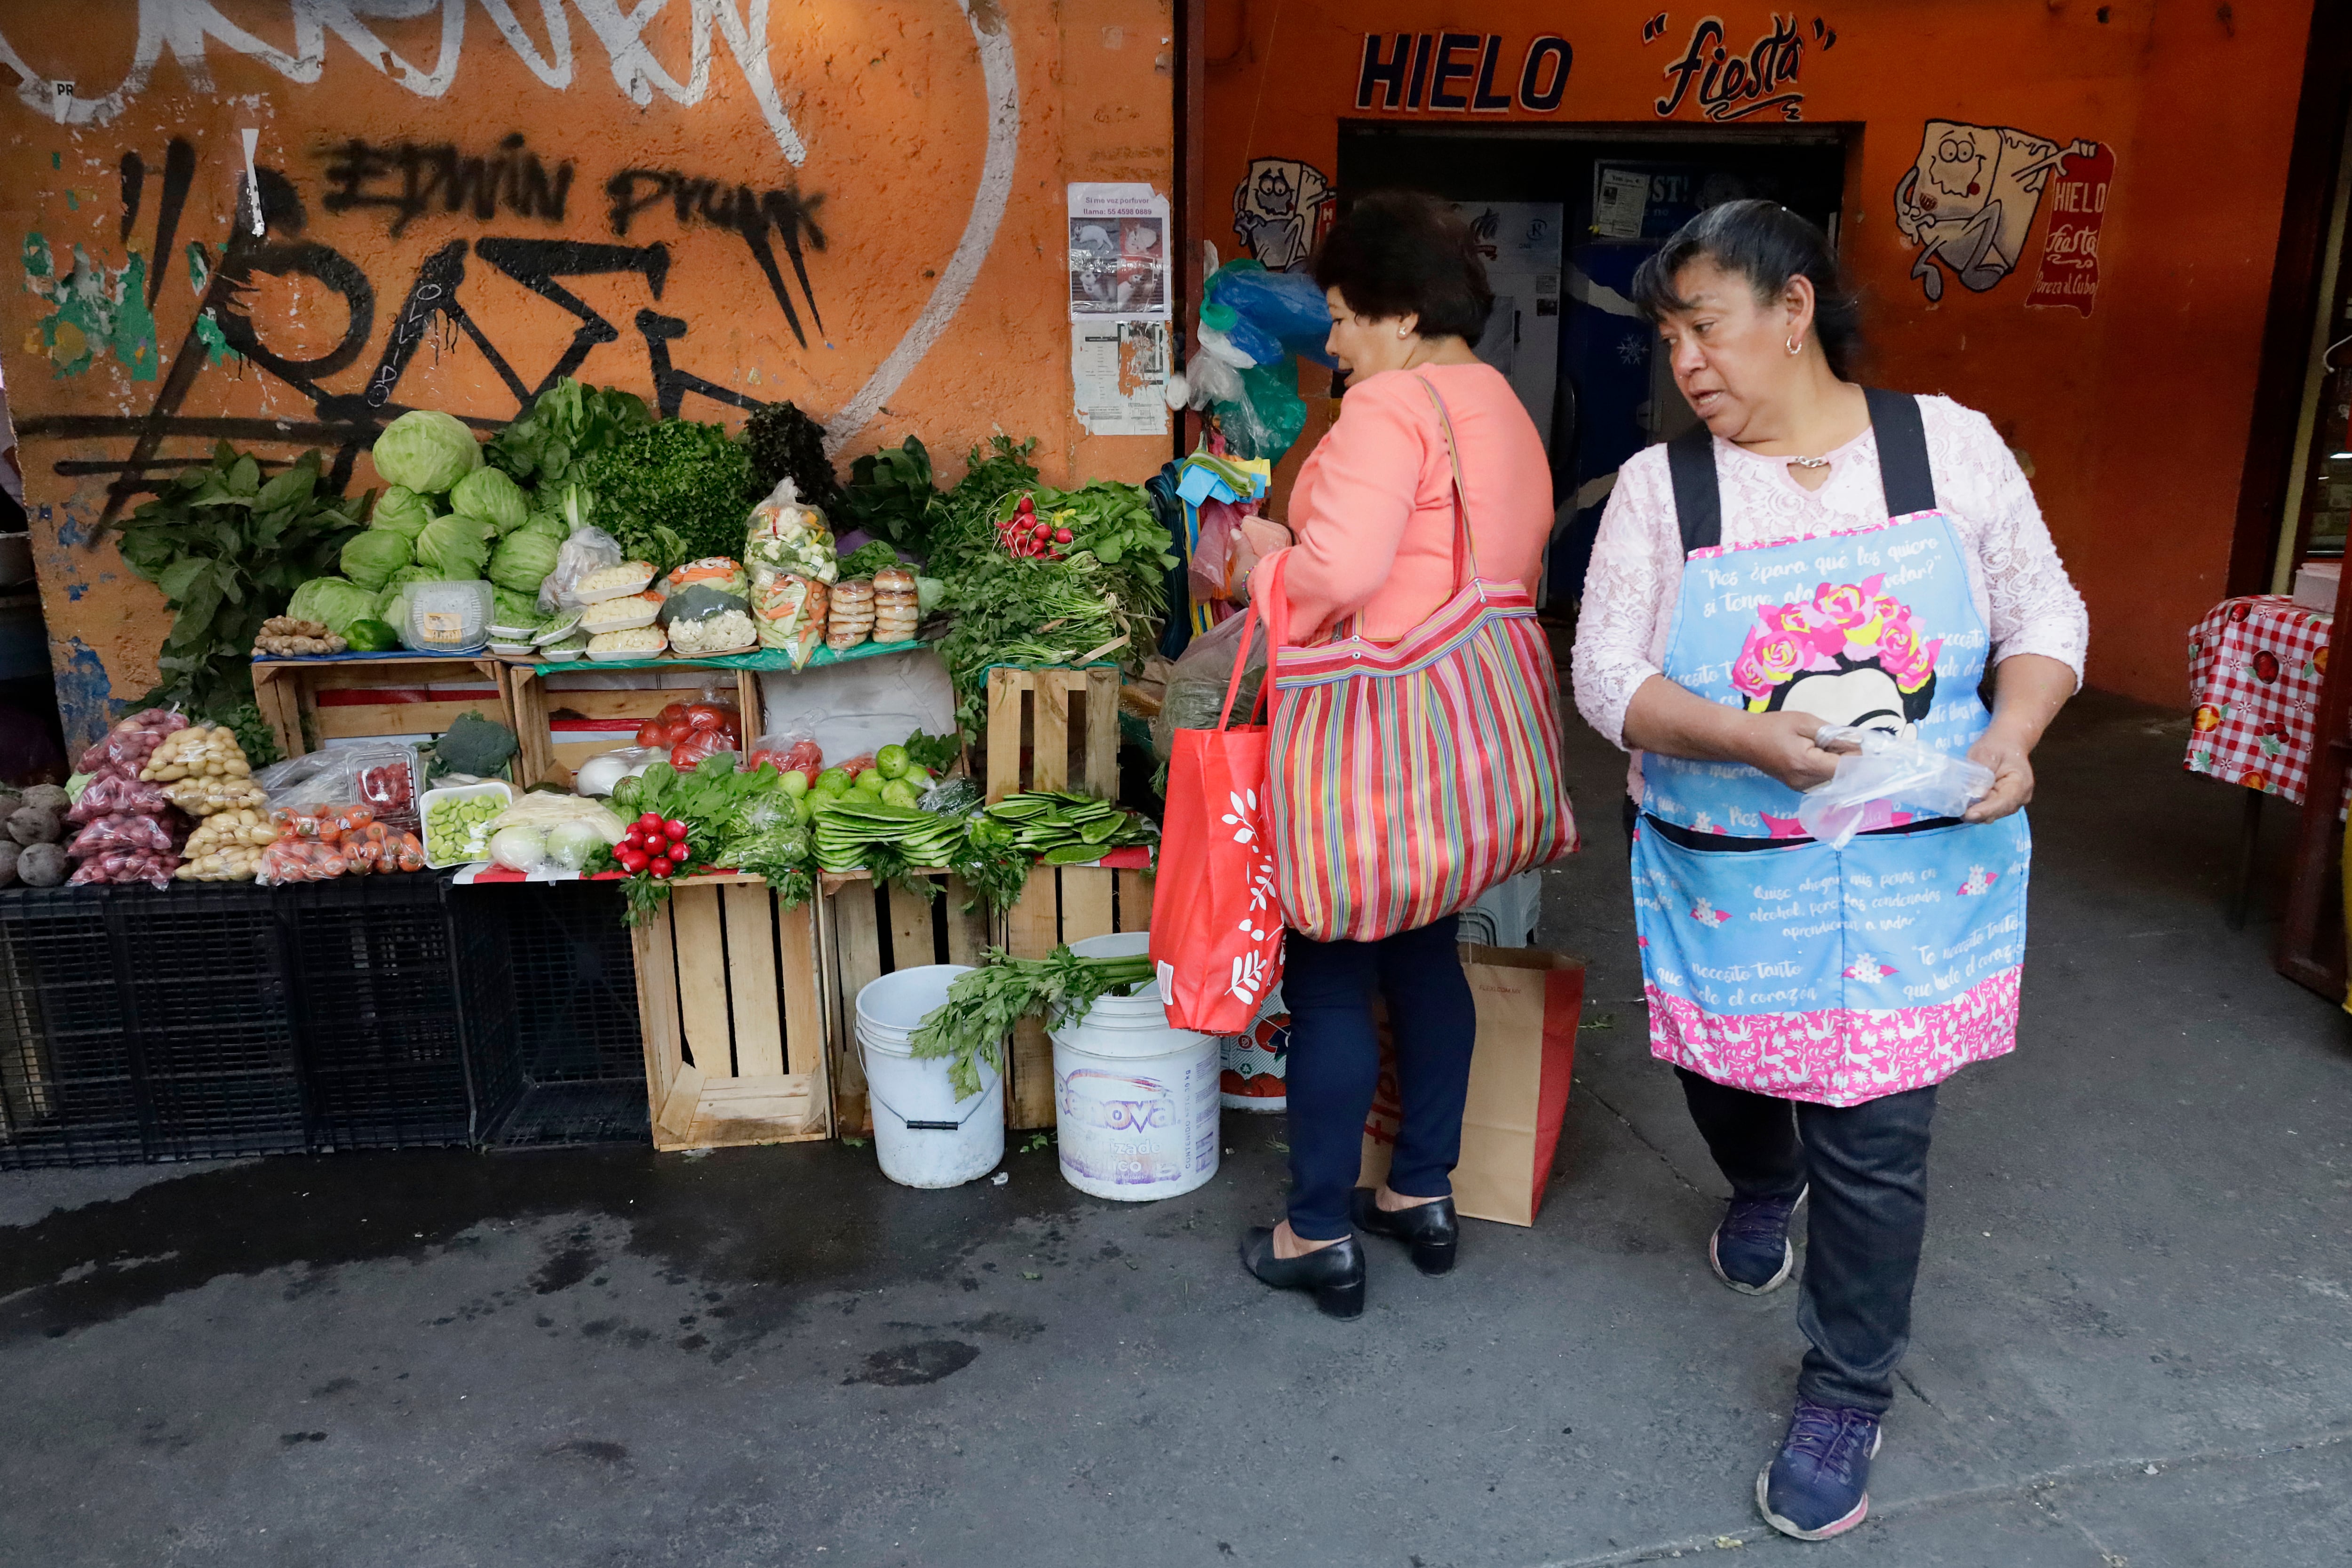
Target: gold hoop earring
x=1796, y=345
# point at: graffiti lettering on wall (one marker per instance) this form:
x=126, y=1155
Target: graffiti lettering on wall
x=1968, y=203
x=1280, y=210
x=2068, y=277
x=186, y=29
x=361, y=174
x=99, y=307
x=729, y=206
x=1455, y=73
x=1724, y=86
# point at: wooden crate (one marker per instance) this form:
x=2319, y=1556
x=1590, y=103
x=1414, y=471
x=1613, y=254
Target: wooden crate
x=1038, y=718
x=308, y=703
x=547, y=758
x=733, y=1019
x=1061, y=904
x=868, y=931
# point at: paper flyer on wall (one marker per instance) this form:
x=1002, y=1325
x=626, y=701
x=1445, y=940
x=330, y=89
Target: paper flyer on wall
x=1120, y=371
x=1118, y=253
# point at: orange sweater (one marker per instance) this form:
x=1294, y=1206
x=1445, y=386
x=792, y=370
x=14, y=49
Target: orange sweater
x=1373, y=507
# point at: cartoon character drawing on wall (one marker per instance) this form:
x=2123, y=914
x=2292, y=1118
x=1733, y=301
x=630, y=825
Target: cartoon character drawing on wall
x=1970, y=200
x=1852, y=655
x=1280, y=209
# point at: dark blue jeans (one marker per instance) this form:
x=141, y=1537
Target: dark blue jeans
x=1335, y=1065
x=1867, y=1166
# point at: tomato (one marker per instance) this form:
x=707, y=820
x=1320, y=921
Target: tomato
x=662, y=865
x=703, y=716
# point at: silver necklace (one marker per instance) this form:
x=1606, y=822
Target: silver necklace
x=1809, y=462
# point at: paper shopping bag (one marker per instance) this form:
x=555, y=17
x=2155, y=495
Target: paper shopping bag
x=1529, y=1003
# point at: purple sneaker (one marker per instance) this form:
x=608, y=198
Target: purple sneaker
x=1819, y=1485
x=1750, y=1249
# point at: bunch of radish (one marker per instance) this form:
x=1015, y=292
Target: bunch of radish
x=653, y=844
x=1027, y=533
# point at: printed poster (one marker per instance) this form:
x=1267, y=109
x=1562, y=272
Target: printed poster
x=1118, y=253
x=1121, y=372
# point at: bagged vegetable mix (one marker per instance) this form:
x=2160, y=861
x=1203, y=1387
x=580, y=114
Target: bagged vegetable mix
x=788, y=537
x=790, y=613
x=715, y=571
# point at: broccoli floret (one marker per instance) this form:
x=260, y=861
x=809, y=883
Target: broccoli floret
x=474, y=745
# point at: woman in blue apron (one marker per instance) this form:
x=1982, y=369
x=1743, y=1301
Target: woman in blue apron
x=1814, y=554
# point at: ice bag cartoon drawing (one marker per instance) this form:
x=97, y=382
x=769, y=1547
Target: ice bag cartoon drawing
x=1970, y=199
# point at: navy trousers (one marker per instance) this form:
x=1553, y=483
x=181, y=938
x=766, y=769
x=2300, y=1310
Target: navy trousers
x=1867, y=1167
x=1335, y=1065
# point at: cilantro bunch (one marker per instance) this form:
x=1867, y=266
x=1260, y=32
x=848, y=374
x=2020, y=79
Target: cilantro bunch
x=672, y=491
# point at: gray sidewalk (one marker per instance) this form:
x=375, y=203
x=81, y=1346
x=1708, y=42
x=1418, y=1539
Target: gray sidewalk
x=2131, y=1337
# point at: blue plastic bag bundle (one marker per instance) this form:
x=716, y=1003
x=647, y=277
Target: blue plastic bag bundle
x=1285, y=306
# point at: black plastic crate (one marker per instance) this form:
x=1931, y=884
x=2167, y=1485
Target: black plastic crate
x=549, y=991
x=377, y=1012
x=69, y=1094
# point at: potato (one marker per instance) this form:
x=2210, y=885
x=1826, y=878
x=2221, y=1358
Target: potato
x=41, y=864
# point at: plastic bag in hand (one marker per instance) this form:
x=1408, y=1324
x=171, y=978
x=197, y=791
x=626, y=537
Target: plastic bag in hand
x=1888, y=768
x=1197, y=681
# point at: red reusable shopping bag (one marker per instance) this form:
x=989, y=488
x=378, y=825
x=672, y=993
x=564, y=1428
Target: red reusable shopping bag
x=1216, y=923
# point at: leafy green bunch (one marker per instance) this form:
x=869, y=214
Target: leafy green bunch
x=891, y=496
x=1030, y=610
x=720, y=807
x=553, y=441
x=983, y=1006
x=228, y=550
x=672, y=491
x=784, y=443
x=965, y=531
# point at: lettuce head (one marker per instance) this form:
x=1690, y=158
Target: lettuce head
x=492, y=498
x=454, y=547
x=426, y=451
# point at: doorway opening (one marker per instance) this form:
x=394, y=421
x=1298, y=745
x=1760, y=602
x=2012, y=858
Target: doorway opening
x=1566, y=213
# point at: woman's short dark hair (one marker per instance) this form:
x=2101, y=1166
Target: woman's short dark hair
x=1402, y=253
x=1767, y=244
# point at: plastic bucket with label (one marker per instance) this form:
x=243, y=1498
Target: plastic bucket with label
x=923, y=1135
x=1135, y=1102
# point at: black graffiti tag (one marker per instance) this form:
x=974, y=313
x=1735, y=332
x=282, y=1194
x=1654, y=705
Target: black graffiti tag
x=694, y=198
x=360, y=174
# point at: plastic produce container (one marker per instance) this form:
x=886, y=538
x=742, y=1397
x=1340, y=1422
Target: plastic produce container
x=476, y=844
x=447, y=617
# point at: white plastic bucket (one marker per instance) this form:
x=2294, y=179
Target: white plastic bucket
x=924, y=1136
x=1135, y=1102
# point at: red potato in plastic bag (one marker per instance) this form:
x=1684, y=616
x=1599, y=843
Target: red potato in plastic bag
x=109, y=793
x=124, y=749
x=123, y=830
x=124, y=866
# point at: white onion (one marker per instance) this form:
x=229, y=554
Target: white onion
x=518, y=849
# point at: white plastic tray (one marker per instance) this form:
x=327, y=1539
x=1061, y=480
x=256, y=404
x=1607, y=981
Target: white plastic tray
x=458, y=792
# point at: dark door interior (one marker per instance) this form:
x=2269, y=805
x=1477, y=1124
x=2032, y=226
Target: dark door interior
x=1621, y=192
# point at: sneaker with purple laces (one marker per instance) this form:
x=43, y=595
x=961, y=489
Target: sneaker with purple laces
x=1819, y=1485
x=1750, y=1249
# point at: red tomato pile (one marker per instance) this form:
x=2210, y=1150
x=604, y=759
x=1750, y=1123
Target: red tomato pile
x=1025, y=533
x=693, y=731
x=653, y=844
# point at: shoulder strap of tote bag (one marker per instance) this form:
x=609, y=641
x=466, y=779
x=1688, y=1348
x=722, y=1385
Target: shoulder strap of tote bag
x=1465, y=548
x=1903, y=470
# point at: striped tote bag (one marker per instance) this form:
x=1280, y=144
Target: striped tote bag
x=1407, y=778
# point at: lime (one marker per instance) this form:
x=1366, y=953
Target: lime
x=892, y=760
x=833, y=781
x=795, y=784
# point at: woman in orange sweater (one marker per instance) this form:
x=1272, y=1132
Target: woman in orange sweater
x=1372, y=539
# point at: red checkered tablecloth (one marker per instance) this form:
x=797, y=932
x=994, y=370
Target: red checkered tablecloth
x=2254, y=669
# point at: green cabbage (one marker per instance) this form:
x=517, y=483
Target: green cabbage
x=337, y=601
x=426, y=451
x=454, y=547
x=550, y=523
x=373, y=554
x=392, y=605
x=403, y=510
x=508, y=608
x=522, y=561
x=490, y=496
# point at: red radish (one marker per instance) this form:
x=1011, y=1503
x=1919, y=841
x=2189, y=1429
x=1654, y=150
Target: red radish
x=650, y=819
x=662, y=865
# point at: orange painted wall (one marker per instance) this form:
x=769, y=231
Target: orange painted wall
x=930, y=143
x=2135, y=418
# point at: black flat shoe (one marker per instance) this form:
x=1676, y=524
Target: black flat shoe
x=1430, y=1229
x=1335, y=1274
